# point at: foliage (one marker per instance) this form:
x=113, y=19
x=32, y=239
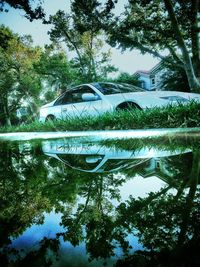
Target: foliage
x=125, y=77
x=89, y=15
x=18, y=80
x=174, y=79
x=157, y=26
x=166, y=225
x=55, y=71
x=6, y=35
x=31, y=14
x=21, y=204
x=83, y=36
x=30, y=75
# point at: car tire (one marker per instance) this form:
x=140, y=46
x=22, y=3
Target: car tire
x=50, y=118
x=128, y=106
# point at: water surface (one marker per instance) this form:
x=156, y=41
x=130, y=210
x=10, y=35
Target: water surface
x=77, y=202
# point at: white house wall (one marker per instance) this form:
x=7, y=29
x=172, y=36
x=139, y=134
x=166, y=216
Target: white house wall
x=146, y=81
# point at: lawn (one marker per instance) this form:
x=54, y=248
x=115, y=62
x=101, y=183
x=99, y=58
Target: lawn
x=168, y=117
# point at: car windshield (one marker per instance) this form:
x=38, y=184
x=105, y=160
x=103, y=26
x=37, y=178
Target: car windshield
x=115, y=88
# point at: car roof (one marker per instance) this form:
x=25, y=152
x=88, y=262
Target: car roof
x=131, y=87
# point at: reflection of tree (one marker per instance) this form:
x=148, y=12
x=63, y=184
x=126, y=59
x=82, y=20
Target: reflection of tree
x=46, y=251
x=193, y=182
x=179, y=165
x=94, y=219
x=28, y=188
x=22, y=202
x=166, y=224
x=34, y=183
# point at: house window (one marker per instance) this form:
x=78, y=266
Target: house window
x=153, y=81
x=157, y=164
x=143, y=85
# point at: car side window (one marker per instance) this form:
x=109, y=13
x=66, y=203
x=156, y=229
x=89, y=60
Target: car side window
x=75, y=96
x=65, y=98
x=77, y=93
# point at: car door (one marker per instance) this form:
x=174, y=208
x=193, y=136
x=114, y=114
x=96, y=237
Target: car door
x=75, y=106
x=62, y=101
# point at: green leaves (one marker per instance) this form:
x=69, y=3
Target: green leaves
x=81, y=32
x=18, y=80
x=30, y=12
x=157, y=27
x=54, y=68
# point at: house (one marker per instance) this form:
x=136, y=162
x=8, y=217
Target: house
x=159, y=168
x=168, y=169
x=151, y=80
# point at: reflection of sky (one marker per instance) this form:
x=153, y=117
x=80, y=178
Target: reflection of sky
x=36, y=232
x=140, y=187
x=68, y=255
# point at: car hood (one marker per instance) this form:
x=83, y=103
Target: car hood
x=48, y=104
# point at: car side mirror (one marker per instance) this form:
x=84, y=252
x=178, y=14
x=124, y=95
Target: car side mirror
x=93, y=159
x=89, y=97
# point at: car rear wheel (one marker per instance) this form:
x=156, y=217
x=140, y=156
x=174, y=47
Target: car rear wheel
x=50, y=118
x=128, y=106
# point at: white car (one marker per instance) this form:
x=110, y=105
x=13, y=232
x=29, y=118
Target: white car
x=98, y=158
x=97, y=98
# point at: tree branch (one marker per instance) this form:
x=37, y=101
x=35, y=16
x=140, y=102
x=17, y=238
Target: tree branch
x=175, y=26
x=145, y=49
x=76, y=49
x=193, y=82
x=175, y=56
x=194, y=28
x=195, y=36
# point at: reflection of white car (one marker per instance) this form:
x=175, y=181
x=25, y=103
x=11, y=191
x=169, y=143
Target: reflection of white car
x=98, y=158
x=97, y=98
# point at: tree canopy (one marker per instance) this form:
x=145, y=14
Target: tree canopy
x=82, y=35
x=161, y=26
x=79, y=53
x=17, y=79
x=26, y=5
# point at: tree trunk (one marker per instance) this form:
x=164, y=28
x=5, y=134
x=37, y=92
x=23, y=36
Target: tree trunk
x=34, y=113
x=8, y=121
x=194, y=83
x=68, y=39
x=195, y=37
x=188, y=66
x=6, y=112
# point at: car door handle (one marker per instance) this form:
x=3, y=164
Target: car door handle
x=64, y=109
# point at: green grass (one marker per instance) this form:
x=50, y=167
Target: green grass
x=168, y=117
x=170, y=143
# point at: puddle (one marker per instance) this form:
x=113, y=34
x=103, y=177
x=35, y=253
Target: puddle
x=99, y=135
x=97, y=201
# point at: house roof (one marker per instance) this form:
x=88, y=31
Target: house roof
x=139, y=72
x=152, y=71
x=156, y=68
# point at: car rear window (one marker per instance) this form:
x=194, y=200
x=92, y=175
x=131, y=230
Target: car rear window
x=115, y=88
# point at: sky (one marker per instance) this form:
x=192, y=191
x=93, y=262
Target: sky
x=128, y=61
